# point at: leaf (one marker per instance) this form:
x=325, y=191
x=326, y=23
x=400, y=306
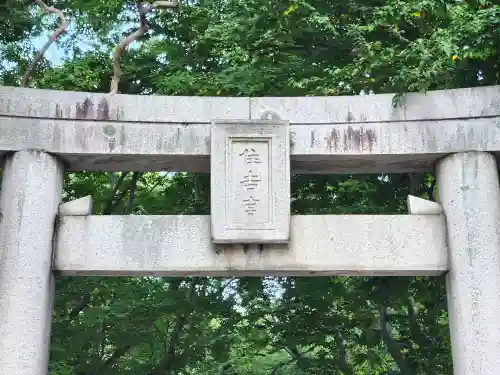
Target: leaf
x=292, y=8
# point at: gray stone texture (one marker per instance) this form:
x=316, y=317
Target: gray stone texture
x=420, y=206
x=30, y=195
x=319, y=245
x=250, y=182
x=433, y=105
x=70, y=105
x=469, y=192
x=354, y=134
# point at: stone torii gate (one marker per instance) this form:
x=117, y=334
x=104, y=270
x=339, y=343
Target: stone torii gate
x=250, y=146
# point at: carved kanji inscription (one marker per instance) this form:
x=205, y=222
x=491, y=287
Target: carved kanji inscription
x=251, y=156
x=250, y=182
x=250, y=205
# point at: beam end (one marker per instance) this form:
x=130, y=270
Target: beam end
x=420, y=206
x=77, y=207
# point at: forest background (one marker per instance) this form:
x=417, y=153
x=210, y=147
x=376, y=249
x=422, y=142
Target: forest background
x=253, y=326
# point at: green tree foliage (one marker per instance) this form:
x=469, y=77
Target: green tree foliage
x=255, y=326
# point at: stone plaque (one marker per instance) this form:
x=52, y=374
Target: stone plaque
x=250, y=181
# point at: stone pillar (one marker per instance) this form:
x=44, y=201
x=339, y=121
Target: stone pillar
x=469, y=191
x=29, y=199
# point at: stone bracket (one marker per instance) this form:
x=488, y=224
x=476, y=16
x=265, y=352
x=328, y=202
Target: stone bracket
x=250, y=181
x=420, y=206
x=78, y=207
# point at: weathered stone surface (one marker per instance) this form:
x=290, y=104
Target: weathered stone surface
x=319, y=245
x=250, y=182
x=434, y=105
x=383, y=147
x=35, y=103
x=30, y=194
x=469, y=192
x=356, y=134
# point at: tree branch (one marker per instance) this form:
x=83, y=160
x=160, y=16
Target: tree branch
x=430, y=190
x=411, y=317
x=416, y=332
x=84, y=302
x=398, y=34
x=415, y=182
x=117, y=354
x=122, y=46
x=133, y=187
x=62, y=27
x=280, y=365
x=167, y=362
x=392, y=346
x=109, y=206
x=343, y=362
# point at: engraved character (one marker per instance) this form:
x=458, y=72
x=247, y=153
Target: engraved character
x=251, y=156
x=251, y=180
x=250, y=205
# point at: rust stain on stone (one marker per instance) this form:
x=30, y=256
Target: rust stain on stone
x=112, y=144
x=178, y=137
x=57, y=138
x=332, y=140
x=208, y=143
x=123, y=136
x=59, y=111
x=119, y=113
x=7, y=105
x=159, y=145
x=85, y=109
x=103, y=110
x=109, y=132
x=371, y=137
x=359, y=139
x=83, y=136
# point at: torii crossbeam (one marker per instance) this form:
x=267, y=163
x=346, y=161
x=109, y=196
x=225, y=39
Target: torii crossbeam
x=453, y=132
